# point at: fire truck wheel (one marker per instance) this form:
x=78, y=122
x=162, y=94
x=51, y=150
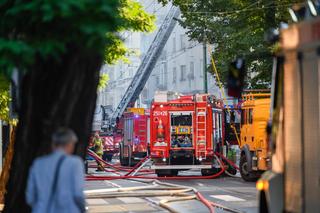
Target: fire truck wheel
x=121, y=156
x=133, y=162
x=166, y=172
x=174, y=172
x=130, y=158
x=209, y=172
x=123, y=160
x=244, y=170
x=159, y=173
x=232, y=170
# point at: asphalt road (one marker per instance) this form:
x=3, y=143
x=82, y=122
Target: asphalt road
x=227, y=191
x=230, y=192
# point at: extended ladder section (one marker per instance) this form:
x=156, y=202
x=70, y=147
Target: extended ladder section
x=140, y=78
x=201, y=145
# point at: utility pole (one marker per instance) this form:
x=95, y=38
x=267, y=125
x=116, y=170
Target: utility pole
x=205, y=76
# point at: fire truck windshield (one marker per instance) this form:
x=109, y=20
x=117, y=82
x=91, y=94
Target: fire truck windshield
x=181, y=120
x=181, y=130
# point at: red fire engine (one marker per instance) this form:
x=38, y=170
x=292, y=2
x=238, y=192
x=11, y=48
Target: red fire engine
x=134, y=144
x=185, y=132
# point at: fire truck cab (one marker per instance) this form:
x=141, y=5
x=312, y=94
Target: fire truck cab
x=185, y=131
x=134, y=144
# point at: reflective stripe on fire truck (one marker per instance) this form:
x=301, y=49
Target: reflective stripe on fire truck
x=108, y=141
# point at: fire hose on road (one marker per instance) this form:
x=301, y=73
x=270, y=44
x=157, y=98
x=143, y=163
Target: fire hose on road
x=157, y=189
x=137, y=168
x=127, y=176
x=181, y=193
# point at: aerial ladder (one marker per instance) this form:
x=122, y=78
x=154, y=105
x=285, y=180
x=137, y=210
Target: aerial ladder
x=142, y=75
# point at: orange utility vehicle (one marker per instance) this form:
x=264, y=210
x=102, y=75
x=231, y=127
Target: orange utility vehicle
x=254, y=146
x=185, y=133
x=134, y=128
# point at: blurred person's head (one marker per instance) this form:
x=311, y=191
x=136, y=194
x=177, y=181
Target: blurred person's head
x=96, y=134
x=64, y=139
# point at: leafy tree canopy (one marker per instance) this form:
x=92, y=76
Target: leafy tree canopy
x=236, y=28
x=135, y=19
x=46, y=28
x=103, y=82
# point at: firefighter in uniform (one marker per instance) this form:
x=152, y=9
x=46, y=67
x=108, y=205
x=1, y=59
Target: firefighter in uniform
x=98, y=149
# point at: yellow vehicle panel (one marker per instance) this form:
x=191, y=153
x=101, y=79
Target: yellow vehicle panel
x=255, y=116
x=136, y=111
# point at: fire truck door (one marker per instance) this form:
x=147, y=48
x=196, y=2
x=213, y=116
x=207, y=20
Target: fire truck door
x=217, y=129
x=128, y=135
x=148, y=130
x=140, y=135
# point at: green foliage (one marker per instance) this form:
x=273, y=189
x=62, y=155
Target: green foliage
x=4, y=98
x=41, y=29
x=103, y=82
x=236, y=28
x=135, y=19
x=45, y=28
x=116, y=50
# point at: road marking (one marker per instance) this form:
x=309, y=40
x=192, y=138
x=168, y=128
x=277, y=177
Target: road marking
x=96, y=202
x=128, y=200
x=227, y=198
x=112, y=184
x=200, y=184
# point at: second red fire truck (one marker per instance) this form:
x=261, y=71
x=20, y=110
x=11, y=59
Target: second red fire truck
x=133, y=126
x=185, y=133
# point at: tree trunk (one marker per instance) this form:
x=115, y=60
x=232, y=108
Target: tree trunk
x=55, y=93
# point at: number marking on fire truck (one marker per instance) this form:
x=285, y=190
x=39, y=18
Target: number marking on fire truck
x=160, y=113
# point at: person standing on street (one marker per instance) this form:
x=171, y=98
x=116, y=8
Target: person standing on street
x=56, y=181
x=98, y=145
x=98, y=149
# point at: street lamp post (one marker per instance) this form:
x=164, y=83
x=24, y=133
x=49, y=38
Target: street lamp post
x=205, y=76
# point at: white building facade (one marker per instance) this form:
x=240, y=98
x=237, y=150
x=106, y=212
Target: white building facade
x=179, y=69
x=121, y=74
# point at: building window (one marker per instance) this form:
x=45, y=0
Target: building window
x=183, y=70
x=191, y=74
x=174, y=45
x=201, y=68
x=165, y=72
x=111, y=75
x=163, y=76
x=174, y=75
x=182, y=42
x=145, y=93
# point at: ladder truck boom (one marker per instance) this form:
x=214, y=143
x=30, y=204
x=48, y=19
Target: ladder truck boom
x=140, y=78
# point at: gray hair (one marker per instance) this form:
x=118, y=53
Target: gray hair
x=64, y=136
